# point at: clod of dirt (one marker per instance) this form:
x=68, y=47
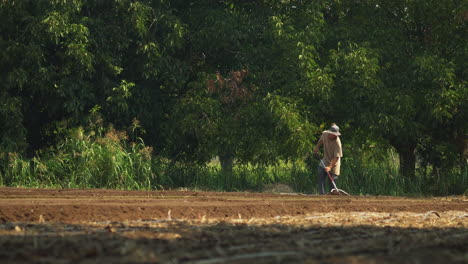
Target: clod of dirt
x=41, y=219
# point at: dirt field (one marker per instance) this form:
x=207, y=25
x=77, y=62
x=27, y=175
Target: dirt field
x=97, y=226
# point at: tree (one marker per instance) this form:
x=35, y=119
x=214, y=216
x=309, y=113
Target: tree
x=64, y=59
x=399, y=72
x=244, y=98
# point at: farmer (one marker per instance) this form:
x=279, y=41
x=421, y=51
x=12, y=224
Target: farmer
x=332, y=154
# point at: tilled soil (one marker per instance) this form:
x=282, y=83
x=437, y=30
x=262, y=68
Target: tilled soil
x=96, y=226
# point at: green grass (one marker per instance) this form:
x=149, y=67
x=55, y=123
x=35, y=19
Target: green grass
x=84, y=160
x=106, y=159
x=373, y=178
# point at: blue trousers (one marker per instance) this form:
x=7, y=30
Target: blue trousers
x=323, y=179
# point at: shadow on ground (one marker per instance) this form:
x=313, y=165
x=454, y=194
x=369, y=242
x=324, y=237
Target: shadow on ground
x=177, y=241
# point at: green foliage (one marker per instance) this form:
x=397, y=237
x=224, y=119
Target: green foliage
x=399, y=74
x=251, y=83
x=245, y=100
x=86, y=159
x=60, y=59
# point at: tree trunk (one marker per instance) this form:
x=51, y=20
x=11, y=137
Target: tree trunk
x=460, y=141
x=227, y=163
x=407, y=161
x=406, y=151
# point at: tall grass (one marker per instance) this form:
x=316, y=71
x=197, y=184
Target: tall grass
x=359, y=176
x=85, y=160
x=104, y=158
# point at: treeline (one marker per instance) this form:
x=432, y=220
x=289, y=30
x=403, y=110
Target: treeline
x=250, y=82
